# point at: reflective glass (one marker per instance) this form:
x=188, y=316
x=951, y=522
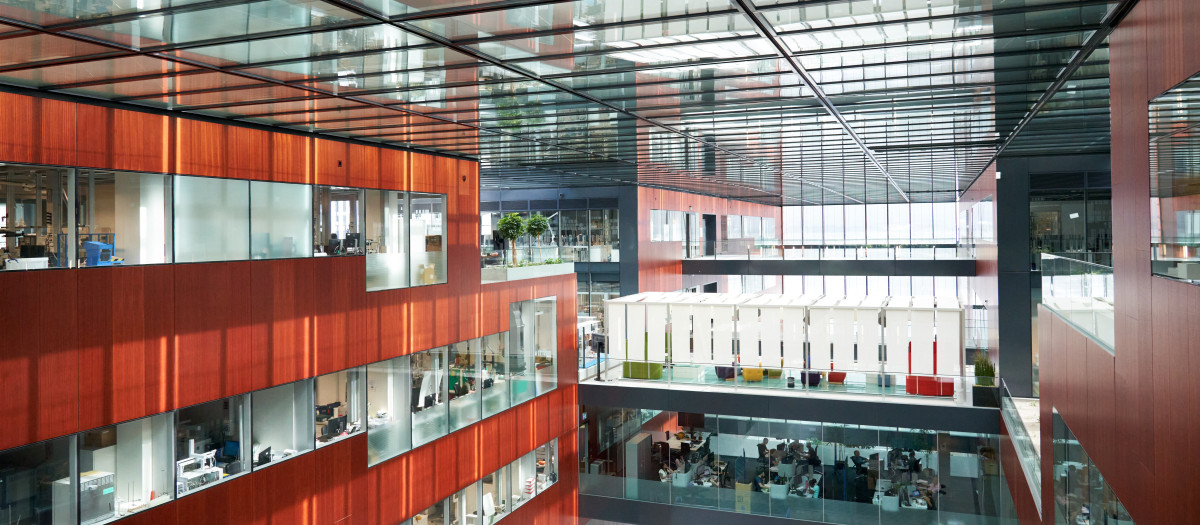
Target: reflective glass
x=389, y=396
x=340, y=405
x=429, y=390
x=212, y=443
x=212, y=219
x=280, y=220
x=283, y=422
x=126, y=468
x=427, y=223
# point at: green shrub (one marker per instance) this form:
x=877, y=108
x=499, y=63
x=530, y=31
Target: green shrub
x=510, y=227
x=985, y=373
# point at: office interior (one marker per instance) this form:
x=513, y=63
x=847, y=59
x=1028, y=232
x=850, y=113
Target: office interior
x=290, y=193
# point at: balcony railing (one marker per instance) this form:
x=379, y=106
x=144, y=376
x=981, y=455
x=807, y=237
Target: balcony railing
x=1082, y=294
x=751, y=249
x=1027, y=449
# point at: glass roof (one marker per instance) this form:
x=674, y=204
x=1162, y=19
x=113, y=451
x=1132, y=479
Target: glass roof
x=778, y=101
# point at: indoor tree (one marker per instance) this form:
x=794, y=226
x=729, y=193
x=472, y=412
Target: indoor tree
x=511, y=227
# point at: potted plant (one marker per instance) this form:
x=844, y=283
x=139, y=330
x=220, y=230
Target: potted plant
x=510, y=227
x=536, y=226
x=985, y=393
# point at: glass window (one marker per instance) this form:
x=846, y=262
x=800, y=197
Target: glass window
x=388, y=399
x=429, y=390
x=387, y=239
x=339, y=405
x=522, y=336
x=434, y=515
x=34, y=216
x=605, y=244
x=547, y=465
x=768, y=232
x=212, y=219
x=282, y=422
x=523, y=473
x=496, y=394
x=428, y=227
x=813, y=225
x=465, y=398
x=125, y=468
x=464, y=505
x=123, y=217
x=677, y=226
x=751, y=227
x=37, y=484
x=210, y=443
x=733, y=227
x=280, y=220
x=337, y=216
x=497, y=491
x=1174, y=183
x=573, y=236
x=658, y=225
x=546, y=343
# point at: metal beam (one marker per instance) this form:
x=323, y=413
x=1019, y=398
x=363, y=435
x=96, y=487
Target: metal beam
x=767, y=31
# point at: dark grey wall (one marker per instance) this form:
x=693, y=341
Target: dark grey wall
x=645, y=513
x=1015, y=307
x=939, y=267
x=751, y=403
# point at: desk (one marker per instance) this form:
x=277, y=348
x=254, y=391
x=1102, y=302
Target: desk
x=27, y=263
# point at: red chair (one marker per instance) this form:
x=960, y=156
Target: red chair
x=836, y=378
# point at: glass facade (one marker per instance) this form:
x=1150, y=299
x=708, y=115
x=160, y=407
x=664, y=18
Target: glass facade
x=340, y=405
x=212, y=443
x=804, y=470
x=125, y=468
x=1175, y=183
x=282, y=422
x=125, y=218
x=573, y=236
x=1081, y=494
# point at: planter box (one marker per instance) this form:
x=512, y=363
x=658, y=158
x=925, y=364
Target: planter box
x=985, y=396
x=501, y=274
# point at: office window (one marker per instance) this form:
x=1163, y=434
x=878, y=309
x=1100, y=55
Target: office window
x=733, y=227
x=465, y=399
x=282, y=422
x=434, y=515
x=34, y=211
x=386, y=230
x=337, y=216
x=496, y=394
x=212, y=219
x=464, y=505
x=523, y=473
x=429, y=414
x=340, y=409
x=573, y=236
x=605, y=236
x=389, y=425
x=678, y=224
x=280, y=220
x=211, y=443
x=546, y=343
x=125, y=468
x=532, y=347
x=124, y=218
x=751, y=227
x=428, y=226
x=768, y=229
x=658, y=225
x=547, y=465
x=38, y=484
x=497, y=492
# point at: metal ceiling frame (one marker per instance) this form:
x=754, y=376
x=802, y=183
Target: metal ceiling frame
x=766, y=30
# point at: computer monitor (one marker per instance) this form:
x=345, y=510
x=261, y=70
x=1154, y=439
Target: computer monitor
x=336, y=425
x=231, y=449
x=352, y=240
x=264, y=457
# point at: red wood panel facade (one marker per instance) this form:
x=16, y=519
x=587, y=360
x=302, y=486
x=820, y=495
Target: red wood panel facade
x=660, y=264
x=96, y=346
x=1134, y=411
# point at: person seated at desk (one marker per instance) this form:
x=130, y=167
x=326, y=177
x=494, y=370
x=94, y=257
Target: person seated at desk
x=757, y=483
x=808, y=489
x=664, y=473
x=857, y=459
